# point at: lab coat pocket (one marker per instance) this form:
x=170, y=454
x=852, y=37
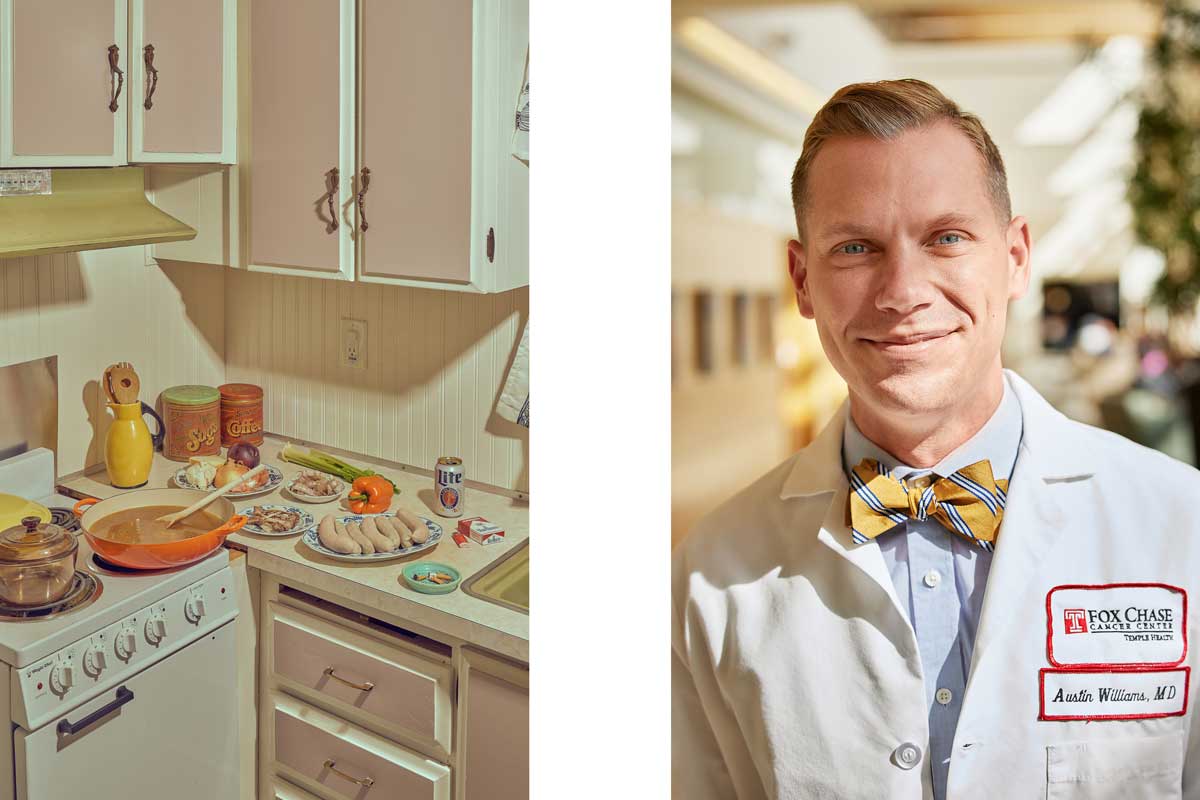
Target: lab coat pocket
x=1141, y=767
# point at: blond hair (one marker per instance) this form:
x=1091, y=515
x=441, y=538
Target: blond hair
x=885, y=110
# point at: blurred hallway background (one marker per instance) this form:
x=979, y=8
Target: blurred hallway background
x=1107, y=330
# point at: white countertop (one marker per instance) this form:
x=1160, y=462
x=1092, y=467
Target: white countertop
x=380, y=586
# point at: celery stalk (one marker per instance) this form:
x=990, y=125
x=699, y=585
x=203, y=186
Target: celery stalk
x=323, y=462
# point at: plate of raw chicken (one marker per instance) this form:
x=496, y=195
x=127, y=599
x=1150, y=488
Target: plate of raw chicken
x=368, y=538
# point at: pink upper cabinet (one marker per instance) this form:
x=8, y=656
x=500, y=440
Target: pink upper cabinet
x=61, y=106
x=183, y=77
x=414, y=117
x=294, y=136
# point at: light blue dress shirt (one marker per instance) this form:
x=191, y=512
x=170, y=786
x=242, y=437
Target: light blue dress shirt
x=940, y=576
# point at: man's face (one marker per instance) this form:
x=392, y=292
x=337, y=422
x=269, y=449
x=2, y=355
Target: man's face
x=905, y=267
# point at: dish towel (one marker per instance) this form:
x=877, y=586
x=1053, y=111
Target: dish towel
x=514, y=398
x=520, y=137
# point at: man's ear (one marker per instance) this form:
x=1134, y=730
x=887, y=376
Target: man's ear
x=799, y=273
x=1020, y=247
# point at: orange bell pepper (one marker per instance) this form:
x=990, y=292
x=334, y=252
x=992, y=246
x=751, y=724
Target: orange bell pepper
x=370, y=494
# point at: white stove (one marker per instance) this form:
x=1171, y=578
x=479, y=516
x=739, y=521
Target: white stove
x=141, y=677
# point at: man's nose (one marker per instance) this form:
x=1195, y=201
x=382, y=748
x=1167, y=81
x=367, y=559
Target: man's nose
x=903, y=284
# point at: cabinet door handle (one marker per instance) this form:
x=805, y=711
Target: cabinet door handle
x=331, y=180
x=365, y=686
x=364, y=183
x=116, y=77
x=331, y=765
x=148, y=57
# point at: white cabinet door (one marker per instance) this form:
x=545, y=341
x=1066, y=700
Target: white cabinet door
x=494, y=728
x=183, y=81
x=414, y=100
x=301, y=157
x=64, y=83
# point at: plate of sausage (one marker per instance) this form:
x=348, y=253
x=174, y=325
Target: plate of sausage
x=367, y=538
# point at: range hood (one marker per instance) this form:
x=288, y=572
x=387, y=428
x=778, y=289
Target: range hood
x=86, y=209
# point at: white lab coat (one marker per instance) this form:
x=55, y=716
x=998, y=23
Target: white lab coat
x=796, y=672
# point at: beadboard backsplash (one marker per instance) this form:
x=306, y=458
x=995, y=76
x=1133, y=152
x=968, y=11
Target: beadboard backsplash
x=436, y=362
x=95, y=308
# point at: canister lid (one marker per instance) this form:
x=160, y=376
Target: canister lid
x=241, y=391
x=190, y=395
x=34, y=540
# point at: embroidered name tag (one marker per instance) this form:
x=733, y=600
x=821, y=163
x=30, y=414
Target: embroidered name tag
x=1107, y=694
x=1116, y=625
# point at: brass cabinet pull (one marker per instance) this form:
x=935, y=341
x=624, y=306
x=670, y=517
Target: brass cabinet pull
x=364, y=183
x=331, y=765
x=366, y=686
x=331, y=180
x=115, y=76
x=148, y=56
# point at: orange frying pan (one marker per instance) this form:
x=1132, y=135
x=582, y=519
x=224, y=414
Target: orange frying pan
x=157, y=555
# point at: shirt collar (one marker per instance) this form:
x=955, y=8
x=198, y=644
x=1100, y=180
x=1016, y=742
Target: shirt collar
x=997, y=441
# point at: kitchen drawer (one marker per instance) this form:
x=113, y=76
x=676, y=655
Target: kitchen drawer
x=282, y=790
x=314, y=747
x=409, y=695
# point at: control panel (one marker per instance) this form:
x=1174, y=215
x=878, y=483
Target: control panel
x=92, y=665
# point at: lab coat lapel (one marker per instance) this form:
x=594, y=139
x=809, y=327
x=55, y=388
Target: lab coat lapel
x=1051, y=453
x=818, y=470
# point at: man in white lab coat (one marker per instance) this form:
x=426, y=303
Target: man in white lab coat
x=954, y=591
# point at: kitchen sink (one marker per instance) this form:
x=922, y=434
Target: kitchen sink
x=505, y=581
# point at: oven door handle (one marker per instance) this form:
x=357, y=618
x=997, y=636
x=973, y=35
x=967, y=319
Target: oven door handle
x=123, y=696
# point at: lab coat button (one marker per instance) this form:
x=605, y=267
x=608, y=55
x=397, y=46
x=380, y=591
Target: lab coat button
x=907, y=755
x=932, y=578
x=943, y=696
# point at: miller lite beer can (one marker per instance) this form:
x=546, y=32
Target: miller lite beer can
x=448, y=486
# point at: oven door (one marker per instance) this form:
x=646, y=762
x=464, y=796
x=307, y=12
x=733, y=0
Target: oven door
x=176, y=737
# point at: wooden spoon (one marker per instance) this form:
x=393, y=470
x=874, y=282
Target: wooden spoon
x=125, y=383
x=171, y=519
x=106, y=382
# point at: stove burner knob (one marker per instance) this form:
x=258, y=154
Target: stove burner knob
x=62, y=678
x=94, y=660
x=156, y=630
x=194, y=608
x=126, y=644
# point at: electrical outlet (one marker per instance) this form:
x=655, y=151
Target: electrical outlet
x=354, y=343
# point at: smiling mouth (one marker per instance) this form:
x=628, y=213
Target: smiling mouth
x=916, y=341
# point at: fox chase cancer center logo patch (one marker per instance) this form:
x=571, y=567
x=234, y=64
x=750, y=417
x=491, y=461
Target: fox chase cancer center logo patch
x=1116, y=625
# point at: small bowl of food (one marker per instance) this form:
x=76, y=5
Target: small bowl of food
x=430, y=577
x=316, y=487
x=277, y=520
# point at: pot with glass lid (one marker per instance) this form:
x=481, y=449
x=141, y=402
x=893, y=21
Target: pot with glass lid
x=37, y=563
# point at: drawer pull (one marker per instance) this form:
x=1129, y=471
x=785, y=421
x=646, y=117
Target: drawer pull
x=331, y=765
x=365, y=686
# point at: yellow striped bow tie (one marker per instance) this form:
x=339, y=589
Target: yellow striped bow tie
x=969, y=502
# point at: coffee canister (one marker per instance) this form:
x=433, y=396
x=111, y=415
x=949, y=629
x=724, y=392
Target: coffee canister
x=241, y=414
x=192, y=415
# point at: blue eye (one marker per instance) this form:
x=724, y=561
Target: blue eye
x=850, y=249
x=953, y=236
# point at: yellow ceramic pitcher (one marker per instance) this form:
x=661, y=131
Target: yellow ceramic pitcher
x=129, y=447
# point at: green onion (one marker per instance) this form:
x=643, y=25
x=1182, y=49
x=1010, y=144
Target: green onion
x=323, y=462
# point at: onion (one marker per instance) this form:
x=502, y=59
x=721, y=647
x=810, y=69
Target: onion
x=244, y=454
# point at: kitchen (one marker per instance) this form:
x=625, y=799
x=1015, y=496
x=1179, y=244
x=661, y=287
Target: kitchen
x=214, y=206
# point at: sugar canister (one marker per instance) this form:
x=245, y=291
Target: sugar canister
x=193, y=418
x=241, y=414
